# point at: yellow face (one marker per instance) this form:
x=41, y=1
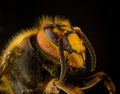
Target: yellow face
x=52, y=33
x=77, y=57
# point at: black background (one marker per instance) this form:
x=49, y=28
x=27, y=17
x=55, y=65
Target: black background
x=98, y=20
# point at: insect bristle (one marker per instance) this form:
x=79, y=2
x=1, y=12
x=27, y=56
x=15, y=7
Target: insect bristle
x=57, y=20
x=62, y=21
x=16, y=40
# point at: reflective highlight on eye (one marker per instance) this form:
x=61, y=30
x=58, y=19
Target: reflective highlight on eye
x=51, y=35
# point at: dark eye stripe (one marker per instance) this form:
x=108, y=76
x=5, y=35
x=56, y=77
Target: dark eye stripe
x=66, y=45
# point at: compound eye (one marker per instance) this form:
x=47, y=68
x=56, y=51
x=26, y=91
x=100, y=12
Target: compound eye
x=51, y=35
